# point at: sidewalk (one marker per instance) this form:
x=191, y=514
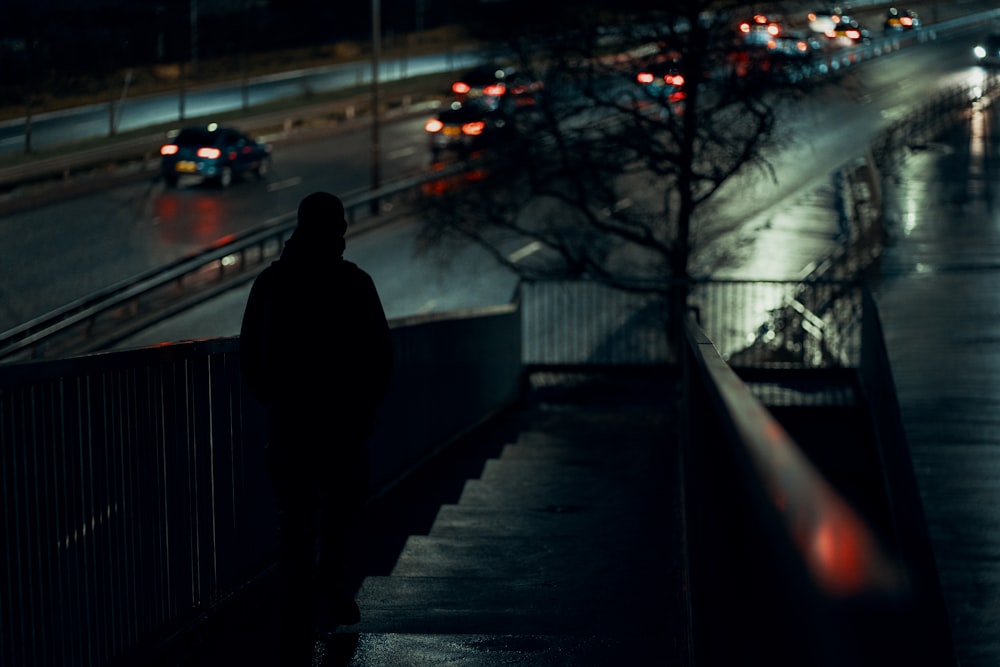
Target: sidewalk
x=937, y=296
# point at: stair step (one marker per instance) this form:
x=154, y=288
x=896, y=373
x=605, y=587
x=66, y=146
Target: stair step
x=405, y=649
x=517, y=470
x=561, y=452
x=530, y=557
x=550, y=493
x=501, y=606
x=453, y=520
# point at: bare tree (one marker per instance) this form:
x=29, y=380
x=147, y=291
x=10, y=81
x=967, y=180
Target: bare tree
x=611, y=179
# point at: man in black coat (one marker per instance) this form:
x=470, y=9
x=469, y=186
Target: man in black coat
x=316, y=352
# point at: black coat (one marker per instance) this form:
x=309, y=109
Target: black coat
x=315, y=344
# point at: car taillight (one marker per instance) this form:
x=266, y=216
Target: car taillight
x=906, y=20
x=645, y=78
x=496, y=90
x=677, y=96
x=168, y=149
x=474, y=129
x=209, y=153
x=802, y=47
x=434, y=125
x=674, y=80
x=460, y=88
x=774, y=30
x=745, y=27
x=853, y=34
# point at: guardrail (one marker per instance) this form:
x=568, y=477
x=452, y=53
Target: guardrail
x=116, y=312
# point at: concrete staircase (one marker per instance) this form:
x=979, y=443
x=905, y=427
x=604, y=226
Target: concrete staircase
x=565, y=550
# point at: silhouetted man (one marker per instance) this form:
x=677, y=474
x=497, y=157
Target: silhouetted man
x=316, y=351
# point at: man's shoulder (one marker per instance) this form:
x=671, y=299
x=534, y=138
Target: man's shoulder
x=269, y=273
x=355, y=271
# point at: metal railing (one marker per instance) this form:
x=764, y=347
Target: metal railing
x=133, y=488
x=118, y=311
x=780, y=563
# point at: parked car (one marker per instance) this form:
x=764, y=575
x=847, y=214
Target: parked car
x=987, y=51
x=462, y=128
x=900, y=20
x=213, y=153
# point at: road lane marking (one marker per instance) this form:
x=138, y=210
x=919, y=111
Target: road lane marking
x=282, y=185
x=402, y=152
x=527, y=250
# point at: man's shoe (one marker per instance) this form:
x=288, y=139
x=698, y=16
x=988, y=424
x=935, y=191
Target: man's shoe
x=346, y=612
x=335, y=612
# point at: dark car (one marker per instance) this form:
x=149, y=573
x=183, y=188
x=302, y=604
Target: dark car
x=517, y=88
x=900, y=20
x=987, y=51
x=662, y=79
x=213, y=153
x=848, y=31
x=462, y=128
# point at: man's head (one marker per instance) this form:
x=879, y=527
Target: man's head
x=321, y=217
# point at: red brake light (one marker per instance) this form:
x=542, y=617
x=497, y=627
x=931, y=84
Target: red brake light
x=474, y=129
x=674, y=79
x=168, y=149
x=644, y=78
x=906, y=20
x=677, y=96
x=460, y=88
x=745, y=27
x=209, y=153
x=853, y=34
x=774, y=29
x=434, y=125
x=495, y=90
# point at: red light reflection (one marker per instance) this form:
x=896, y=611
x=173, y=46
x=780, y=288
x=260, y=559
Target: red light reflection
x=189, y=217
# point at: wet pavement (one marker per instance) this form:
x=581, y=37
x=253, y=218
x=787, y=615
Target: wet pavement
x=937, y=293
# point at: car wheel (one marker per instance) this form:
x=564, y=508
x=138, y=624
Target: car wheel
x=226, y=177
x=170, y=180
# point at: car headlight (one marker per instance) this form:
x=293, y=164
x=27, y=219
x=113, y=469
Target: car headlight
x=979, y=51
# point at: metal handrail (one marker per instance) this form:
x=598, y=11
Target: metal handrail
x=238, y=255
